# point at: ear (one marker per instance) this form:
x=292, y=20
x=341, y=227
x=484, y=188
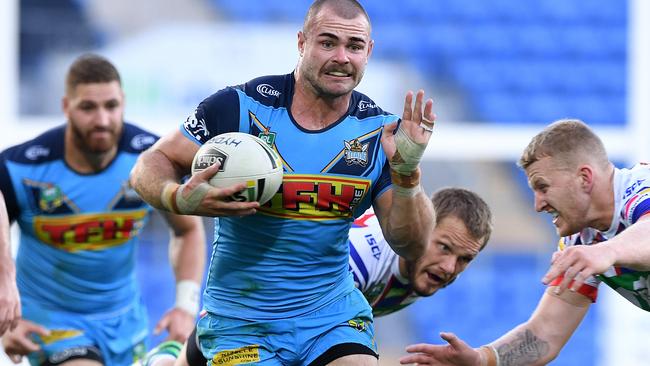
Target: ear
x=301, y=43
x=586, y=176
x=65, y=105
x=371, y=45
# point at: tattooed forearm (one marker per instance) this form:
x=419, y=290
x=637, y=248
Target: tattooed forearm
x=525, y=349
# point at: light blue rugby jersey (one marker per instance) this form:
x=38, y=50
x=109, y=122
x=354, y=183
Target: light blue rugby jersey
x=78, y=232
x=292, y=256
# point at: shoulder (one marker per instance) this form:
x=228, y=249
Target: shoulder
x=136, y=139
x=45, y=147
x=362, y=107
x=271, y=90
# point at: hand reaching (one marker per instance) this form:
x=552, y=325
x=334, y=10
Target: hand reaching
x=456, y=352
x=18, y=342
x=178, y=323
x=577, y=263
x=404, y=148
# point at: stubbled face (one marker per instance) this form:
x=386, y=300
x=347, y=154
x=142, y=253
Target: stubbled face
x=95, y=115
x=334, y=53
x=452, y=248
x=557, y=191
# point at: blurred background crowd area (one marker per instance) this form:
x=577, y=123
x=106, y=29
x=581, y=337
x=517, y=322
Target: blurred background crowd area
x=492, y=66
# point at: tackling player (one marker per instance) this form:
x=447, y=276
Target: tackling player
x=602, y=214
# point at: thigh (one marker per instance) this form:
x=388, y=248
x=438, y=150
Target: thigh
x=191, y=354
x=355, y=360
x=226, y=341
x=82, y=362
x=344, y=328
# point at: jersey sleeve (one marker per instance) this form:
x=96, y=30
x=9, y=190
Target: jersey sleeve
x=217, y=114
x=7, y=188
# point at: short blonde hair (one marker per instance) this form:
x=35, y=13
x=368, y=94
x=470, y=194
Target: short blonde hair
x=570, y=141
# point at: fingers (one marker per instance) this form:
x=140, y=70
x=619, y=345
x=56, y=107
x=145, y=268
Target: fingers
x=451, y=339
x=418, y=359
x=557, y=268
x=30, y=327
x=15, y=358
x=417, y=109
x=389, y=129
x=420, y=347
x=420, y=354
x=25, y=345
x=209, y=172
x=407, y=114
x=162, y=324
x=428, y=111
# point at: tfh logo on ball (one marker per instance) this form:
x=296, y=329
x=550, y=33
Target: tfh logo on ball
x=209, y=158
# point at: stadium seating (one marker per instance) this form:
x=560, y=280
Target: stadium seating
x=519, y=62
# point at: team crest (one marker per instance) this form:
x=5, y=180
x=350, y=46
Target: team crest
x=50, y=198
x=356, y=153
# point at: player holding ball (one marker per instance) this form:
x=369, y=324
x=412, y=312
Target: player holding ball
x=279, y=290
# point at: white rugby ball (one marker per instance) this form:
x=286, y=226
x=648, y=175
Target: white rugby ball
x=244, y=158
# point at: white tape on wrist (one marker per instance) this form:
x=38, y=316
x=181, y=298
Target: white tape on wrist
x=406, y=192
x=187, y=205
x=187, y=296
x=410, y=151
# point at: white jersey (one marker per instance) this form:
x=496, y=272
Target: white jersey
x=375, y=267
x=631, y=201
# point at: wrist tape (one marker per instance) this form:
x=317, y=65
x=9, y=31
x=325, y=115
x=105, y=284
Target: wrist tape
x=187, y=296
x=172, y=197
x=408, y=155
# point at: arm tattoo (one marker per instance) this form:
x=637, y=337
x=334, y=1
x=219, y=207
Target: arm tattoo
x=525, y=349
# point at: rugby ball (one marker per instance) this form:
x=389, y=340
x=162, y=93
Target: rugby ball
x=244, y=158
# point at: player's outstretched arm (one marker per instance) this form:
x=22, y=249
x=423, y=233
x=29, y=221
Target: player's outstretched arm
x=157, y=176
x=406, y=213
x=10, y=300
x=187, y=249
x=535, y=342
x=629, y=249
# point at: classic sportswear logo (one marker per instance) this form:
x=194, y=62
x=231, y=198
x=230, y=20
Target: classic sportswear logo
x=364, y=105
x=142, y=141
x=34, y=152
x=267, y=90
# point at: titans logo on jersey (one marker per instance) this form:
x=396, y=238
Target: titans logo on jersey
x=330, y=177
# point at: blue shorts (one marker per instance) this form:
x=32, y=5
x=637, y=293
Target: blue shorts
x=120, y=337
x=292, y=341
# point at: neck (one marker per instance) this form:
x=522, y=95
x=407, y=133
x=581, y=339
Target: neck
x=403, y=268
x=316, y=112
x=85, y=162
x=603, y=200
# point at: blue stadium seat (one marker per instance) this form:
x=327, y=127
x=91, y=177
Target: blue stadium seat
x=518, y=61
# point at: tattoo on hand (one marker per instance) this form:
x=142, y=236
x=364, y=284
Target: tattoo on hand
x=525, y=349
